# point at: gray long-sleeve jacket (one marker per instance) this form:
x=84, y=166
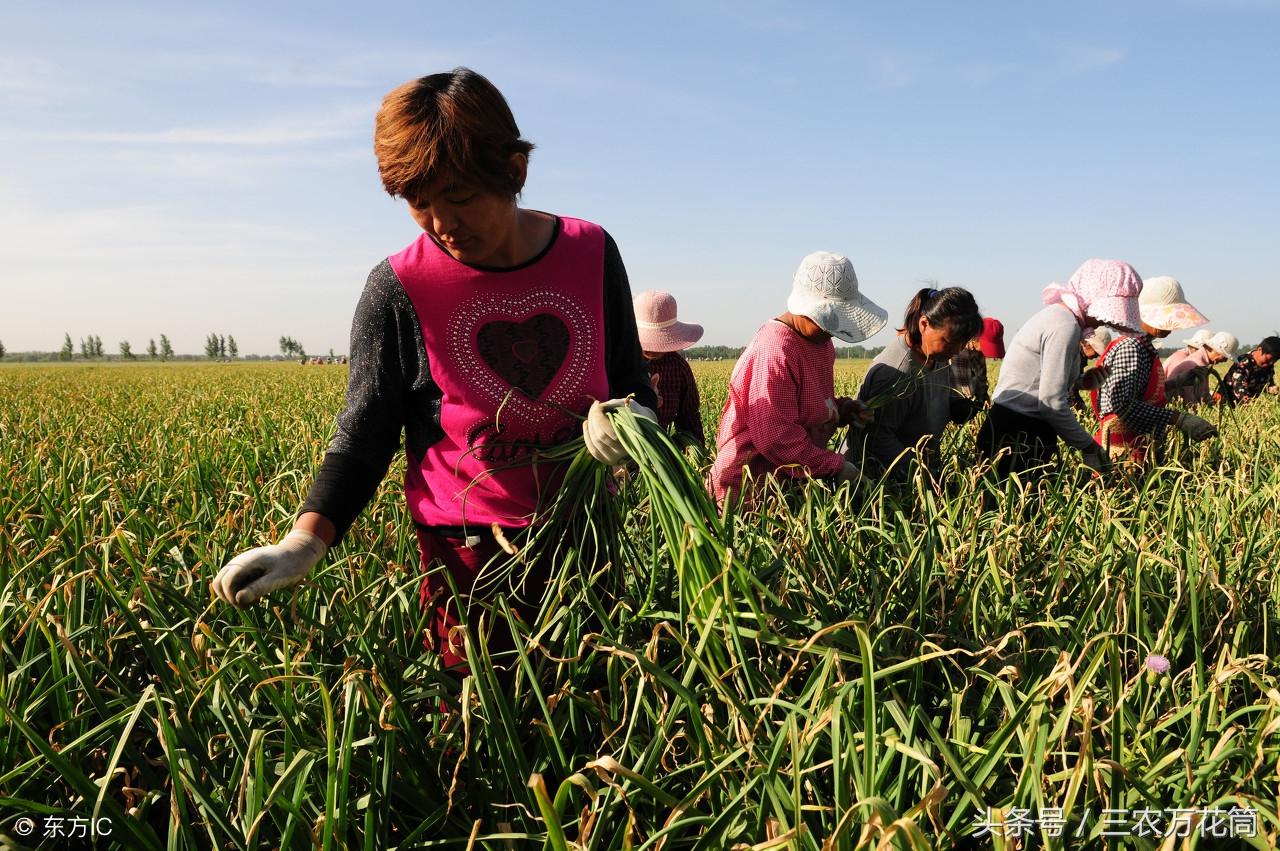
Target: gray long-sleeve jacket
x=1040, y=365
x=918, y=408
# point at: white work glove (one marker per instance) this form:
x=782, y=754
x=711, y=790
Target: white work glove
x=249, y=576
x=1096, y=459
x=602, y=441
x=1196, y=428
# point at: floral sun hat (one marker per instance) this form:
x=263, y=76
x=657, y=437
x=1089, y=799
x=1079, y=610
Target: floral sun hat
x=1163, y=305
x=1102, y=290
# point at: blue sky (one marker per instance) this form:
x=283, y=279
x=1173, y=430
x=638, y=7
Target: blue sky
x=185, y=169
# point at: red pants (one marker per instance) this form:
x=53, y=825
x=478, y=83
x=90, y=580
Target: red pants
x=465, y=565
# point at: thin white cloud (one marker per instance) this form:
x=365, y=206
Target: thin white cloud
x=236, y=166
x=301, y=129
x=896, y=70
x=29, y=81
x=982, y=72
x=1074, y=59
x=334, y=67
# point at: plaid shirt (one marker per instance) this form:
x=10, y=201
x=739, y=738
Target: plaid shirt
x=678, y=401
x=1129, y=362
x=1245, y=380
x=969, y=374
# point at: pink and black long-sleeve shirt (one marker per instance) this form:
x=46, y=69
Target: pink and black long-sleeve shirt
x=478, y=368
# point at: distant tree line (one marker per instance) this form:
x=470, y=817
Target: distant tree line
x=732, y=352
x=216, y=347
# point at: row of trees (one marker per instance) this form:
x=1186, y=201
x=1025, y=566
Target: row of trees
x=218, y=347
x=91, y=347
x=292, y=348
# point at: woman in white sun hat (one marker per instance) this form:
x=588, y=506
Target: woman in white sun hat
x=1130, y=400
x=781, y=412
x=1031, y=405
x=1188, y=378
x=663, y=337
x=1194, y=344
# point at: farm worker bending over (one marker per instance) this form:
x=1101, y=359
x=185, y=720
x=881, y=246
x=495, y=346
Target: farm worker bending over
x=781, y=412
x=1031, y=405
x=909, y=383
x=663, y=337
x=1129, y=401
x=482, y=341
x=1194, y=344
x=1251, y=374
x=1188, y=377
x=1091, y=346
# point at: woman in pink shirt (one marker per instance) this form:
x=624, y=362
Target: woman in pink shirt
x=1195, y=344
x=482, y=342
x=1187, y=378
x=782, y=412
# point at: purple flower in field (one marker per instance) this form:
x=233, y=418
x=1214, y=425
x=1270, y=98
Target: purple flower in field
x=1158, y=664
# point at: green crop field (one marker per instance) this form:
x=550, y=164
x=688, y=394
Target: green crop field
x=917, y=667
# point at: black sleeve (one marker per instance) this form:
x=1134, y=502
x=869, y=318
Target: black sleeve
x=623, y=358
x=389, y=391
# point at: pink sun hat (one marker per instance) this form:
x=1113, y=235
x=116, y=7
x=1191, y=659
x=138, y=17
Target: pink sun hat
x=1104, y=291
x=657, y=325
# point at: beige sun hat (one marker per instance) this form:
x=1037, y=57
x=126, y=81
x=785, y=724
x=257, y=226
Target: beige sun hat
x=1163, y=305
x=825, y=289
x=1224, y=344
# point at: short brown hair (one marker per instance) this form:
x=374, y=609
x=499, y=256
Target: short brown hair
x=455, y=126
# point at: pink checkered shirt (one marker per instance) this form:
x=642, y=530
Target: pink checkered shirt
x=780, y=414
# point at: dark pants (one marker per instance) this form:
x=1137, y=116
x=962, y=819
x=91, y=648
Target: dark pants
x=465, y=564
x=1032, y=443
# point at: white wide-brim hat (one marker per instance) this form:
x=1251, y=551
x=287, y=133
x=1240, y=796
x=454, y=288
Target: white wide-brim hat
x=1224, y=344
x=1199, y=338
x=1163, y=305
x=657, y=326
x=1099, y=338
x=825, y=289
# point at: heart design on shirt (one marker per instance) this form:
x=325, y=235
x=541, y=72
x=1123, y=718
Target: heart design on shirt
x=534, y=344
x=526, y=354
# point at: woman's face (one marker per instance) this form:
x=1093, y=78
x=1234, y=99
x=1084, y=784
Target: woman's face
x=475, y=226
x=1087, y=349
x=937, y=343
x=1214, y=357
x=1152, y=331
